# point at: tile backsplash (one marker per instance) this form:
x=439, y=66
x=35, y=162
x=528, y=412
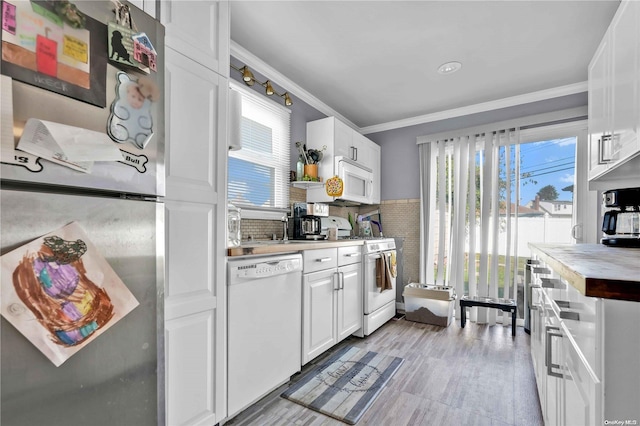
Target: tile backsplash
x=399, y=218
x=265, y=229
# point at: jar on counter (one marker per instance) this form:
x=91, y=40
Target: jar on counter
x=234, y=234
x=300, y=168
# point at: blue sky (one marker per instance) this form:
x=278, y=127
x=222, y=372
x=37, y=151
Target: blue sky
x=550, y=163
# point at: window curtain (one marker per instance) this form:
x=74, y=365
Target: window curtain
x=467, y=184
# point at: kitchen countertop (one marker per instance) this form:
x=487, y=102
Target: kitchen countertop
x=595, y=270
x=279, y=246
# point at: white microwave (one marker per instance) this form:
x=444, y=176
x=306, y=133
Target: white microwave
x=357, y=180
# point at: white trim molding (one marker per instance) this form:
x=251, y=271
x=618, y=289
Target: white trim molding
x=541, y=95
x=262, y=67
x=252, y=61
x=571, y=114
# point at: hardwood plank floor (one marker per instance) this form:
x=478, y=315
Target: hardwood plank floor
x=479, y=375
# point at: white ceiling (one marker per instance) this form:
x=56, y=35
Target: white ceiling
x=375, y=62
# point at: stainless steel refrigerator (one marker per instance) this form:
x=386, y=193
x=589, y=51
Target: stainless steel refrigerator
x=117, y=377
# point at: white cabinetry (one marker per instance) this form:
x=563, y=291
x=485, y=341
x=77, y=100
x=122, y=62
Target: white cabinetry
x=361, y=150
x=196, y=108
x=331, y=298
x=614, y=100
x=199, y=30
x=196, y=82
x=546, y=353
x=149, y=6
x=581, y=385
x=579, y=348
x=376, y=166
x=341, y=140
x=342, y=137
x=599, y=126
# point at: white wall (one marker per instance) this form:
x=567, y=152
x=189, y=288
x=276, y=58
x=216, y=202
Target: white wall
x=400, y=167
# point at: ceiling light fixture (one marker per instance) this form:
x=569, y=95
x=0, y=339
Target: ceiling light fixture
x=449, y=67
x=247, y=76
x=269, y=88
x=249, y=80
x=287, y=99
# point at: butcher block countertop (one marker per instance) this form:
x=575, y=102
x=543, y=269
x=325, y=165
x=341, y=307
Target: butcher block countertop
x=279, y=247
x=595, y=269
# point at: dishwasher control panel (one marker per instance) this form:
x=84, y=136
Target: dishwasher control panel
x=264, y=268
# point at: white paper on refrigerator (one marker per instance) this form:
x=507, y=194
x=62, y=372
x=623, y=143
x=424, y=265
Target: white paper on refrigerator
x=70, y=146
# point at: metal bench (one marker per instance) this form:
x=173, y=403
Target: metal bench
x=506, y=305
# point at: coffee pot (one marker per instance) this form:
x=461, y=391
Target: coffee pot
x=621, y=223
x=307, y=223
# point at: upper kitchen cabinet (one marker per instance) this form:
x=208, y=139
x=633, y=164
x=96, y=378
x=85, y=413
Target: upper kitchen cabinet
x=340, y=140
x=335, y=130
x=614, y=102
x=376, y=166
x=348, y=154
x=199, y=30
x=599, y=125
x=149, y=6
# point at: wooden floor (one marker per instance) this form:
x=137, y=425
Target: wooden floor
x=479, y=375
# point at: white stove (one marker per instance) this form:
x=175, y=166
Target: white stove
x=379, y=304
x=376, y=245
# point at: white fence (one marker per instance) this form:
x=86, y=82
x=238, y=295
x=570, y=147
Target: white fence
x=540, y=229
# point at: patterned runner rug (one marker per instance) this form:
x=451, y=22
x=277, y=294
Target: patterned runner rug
x=345, y=385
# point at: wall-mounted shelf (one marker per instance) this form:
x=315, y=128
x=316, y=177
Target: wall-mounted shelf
x=306, y=184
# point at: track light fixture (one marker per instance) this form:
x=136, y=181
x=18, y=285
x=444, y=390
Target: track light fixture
x=269, y=88
x=250, y=80
x=247, y=76
x=287, y=99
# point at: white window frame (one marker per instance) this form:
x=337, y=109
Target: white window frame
x=281, y=173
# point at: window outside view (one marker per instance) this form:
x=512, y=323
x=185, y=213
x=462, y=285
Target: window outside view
x=547, y=173
x=258, y=172
x=541, y=213
x=251, y=178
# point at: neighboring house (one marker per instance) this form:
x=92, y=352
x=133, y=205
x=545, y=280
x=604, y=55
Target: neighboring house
x=554, y=208
x=523, y=211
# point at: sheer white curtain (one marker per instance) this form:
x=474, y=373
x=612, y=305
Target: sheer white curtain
x=467, y=184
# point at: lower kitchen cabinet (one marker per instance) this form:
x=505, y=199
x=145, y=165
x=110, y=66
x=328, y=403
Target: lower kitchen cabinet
x=581, y=384
x=331, y=298
x=585, y=354
x=349, y=313
x=546, y=353
x=567, y=383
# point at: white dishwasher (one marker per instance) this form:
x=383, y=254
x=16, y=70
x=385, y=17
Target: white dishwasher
x=264, y=326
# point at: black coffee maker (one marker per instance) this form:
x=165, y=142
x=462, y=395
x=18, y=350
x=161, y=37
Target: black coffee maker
x=621, y=224
x=307, y=224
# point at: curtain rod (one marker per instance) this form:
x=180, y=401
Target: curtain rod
x=529, y=122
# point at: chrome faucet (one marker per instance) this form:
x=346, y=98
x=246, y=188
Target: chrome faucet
x=285, y=223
